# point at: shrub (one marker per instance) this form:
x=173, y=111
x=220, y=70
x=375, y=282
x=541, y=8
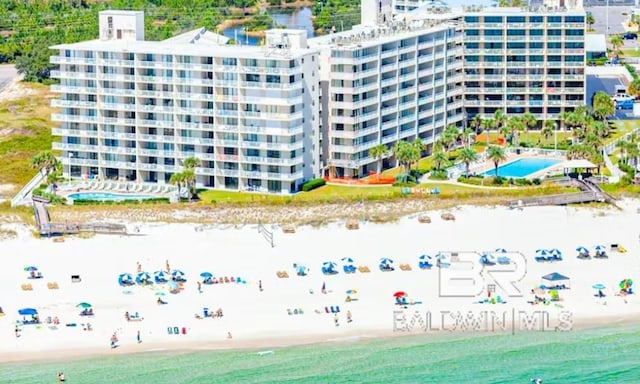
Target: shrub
x=313, y=184
x=498, y=180
x=523, y=182
x=536, y=181
x=438, y=175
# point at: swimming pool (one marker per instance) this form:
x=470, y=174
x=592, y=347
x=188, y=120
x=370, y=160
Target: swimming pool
x=107, y=196
x=522, y=167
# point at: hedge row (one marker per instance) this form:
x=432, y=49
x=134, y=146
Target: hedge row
x=313, y=184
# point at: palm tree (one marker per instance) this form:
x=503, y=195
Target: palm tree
x=500, y=119
x=440, y=160
x=379, y=152
x=497, y=155
x=514, y=126
x=405, y=154
x=177, y=179
x=467, y=135
x=420, y=146
x=449, y=137
x=189, y=176
x=467, y=156
x=548, y=128
x=590, y=20
x=476, y=122
x=487, y=125
x=529, y=121
x=191, y=162
x=622, y=145
x=616, y=42
x=603, y=105
x=45, y=161
x=634, y=87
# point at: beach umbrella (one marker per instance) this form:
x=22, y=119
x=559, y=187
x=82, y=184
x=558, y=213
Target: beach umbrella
x=173, y=285
x=142, y=276
x=600, y=248
x=582, y=249
x=442, y=256
x=487, y=258
x=27, y=311
x=626, y=283
x=30, y=268
x=500, y=250
x=159, y=293
x=301, y=269
x=598, y=286
x=177, y=273
x=351, y=292
x=84, y=305
x=329, y=265
x=555, y=252
x=425, y=257
x=160, y=274
x=542, y=252
x=124, y=277
x=400, y=294
x=347, y=260
x=206, y=275
x=385, y=261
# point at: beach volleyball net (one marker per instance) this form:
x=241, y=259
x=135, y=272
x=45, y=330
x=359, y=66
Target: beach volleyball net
x=266, y=234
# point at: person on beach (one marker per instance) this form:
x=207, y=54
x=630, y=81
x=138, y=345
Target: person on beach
x=229, y=336
x=324, y=288
x=260, y=285
x=138, y=338
x=336, y=320
x=199, y=287
x=17, y=331
x=349, y=317
x=139, y=267
x=166, y=263
x=114, y=340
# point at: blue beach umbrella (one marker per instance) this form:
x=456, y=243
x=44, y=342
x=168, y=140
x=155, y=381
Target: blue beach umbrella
x=385, y=261
x=142, y=276
x=301, y=270
x=599, y=286
x=600, y=248
x=500, y=250
x=124, y=277
x=27, y=311
x=487, y=258
x=425, y=257
x=347, y=260
x=555, y=252
x=30, y=268
x=160, y=274
x=177, y=273
x=206, y=275
x=542, y=252
x=582, y=249
x=442, y=256
x=329, y=265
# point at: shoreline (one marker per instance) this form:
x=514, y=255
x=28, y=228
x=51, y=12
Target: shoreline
x=273, y=344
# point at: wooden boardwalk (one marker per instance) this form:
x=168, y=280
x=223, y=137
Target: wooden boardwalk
x=591, y=192
x=47, y=228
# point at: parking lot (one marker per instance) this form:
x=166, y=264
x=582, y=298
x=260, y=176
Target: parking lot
x=606, y=84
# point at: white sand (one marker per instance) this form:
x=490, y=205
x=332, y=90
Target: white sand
x=259, y=319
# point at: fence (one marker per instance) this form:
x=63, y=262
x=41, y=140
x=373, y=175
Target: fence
x=268, y=235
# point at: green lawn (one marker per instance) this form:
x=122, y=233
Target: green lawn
x=25, y=129
x=630, y=53
x=623, y=127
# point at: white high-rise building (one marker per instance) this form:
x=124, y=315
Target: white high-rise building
x=132, y=109
x=384, y=83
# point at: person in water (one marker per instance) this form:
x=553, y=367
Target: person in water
x=61, y=378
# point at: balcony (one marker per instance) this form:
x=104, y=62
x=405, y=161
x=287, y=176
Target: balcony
x=74, y=118
x=72, y=89
x=194, y=140
x=74, y=132
x=120, y=164
x=72, y=60
x=272, y=160
x=72, y=75
x=57, y=103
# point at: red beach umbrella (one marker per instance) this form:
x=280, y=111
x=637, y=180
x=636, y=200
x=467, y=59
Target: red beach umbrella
x=399, y=294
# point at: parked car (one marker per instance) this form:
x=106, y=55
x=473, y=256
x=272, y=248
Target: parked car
x=630, y=36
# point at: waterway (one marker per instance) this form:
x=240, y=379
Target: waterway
x=292, y=18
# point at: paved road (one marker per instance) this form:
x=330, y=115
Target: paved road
x=616, y=18
x=7, y=73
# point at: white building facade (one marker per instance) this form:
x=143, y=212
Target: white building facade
x=134, y=110
x=386, y=83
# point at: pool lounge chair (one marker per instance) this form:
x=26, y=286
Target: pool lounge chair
x=425, y=265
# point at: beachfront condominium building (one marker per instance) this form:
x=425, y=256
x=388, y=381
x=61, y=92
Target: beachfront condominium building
x=134, y=109
x=386, y=81
x=523, y=60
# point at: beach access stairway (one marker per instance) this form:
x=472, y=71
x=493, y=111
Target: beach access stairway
x=47, y=228
x=590, y=192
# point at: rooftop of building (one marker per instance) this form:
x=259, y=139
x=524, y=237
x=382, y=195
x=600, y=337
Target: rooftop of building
x=182, y=44
x=198, y=36
x=363, y=36
x=595, y=42
x=456, y=8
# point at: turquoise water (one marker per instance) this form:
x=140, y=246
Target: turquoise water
x=521, y=167
x=606, y=355
x=106, y=196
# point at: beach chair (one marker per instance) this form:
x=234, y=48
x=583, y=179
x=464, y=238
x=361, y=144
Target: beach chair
x=27, y=287
x=364, y=269
x=405, y=267
x=53, y=285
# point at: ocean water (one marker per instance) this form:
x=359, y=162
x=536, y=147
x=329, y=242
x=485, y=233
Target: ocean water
x=604, y=355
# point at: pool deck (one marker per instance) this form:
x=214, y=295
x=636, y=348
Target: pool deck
x=548, y=171
x=118, y=188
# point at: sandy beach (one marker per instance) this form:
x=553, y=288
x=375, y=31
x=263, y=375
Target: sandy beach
x=260, y=319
